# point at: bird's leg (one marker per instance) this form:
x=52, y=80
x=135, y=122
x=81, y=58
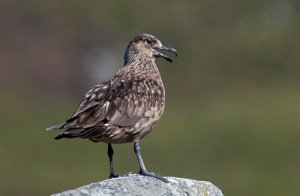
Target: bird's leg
x=143, y=171
x=110, y=153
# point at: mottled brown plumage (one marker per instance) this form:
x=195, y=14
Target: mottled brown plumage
x=125, y=108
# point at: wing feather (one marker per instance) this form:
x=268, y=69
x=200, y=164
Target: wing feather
x=112, y=104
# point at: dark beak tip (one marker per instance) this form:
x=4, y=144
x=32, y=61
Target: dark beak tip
x=174, y=51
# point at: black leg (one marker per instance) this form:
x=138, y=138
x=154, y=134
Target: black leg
x=143, y=171
x=110, y=153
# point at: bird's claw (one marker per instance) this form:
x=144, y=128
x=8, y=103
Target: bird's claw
x=112, y=175
x=154, y=175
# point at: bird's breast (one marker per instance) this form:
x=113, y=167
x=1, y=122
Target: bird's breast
x=137, y=102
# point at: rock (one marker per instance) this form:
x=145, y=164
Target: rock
x=140, y=185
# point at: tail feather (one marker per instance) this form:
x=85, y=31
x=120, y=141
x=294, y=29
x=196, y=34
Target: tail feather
x=75, y=132
x=60, y=126
x=68, y=134
x=62, y=135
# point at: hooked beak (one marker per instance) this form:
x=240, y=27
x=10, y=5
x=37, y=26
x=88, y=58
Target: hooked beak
x=162, y=47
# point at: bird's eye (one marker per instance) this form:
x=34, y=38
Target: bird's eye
x=148, y=41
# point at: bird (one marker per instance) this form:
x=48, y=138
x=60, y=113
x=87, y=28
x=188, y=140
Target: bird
x=125, y=108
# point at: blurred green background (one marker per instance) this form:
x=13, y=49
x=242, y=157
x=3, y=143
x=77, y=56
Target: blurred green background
x=233, y=99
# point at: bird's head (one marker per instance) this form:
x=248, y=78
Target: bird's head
x=146, y=45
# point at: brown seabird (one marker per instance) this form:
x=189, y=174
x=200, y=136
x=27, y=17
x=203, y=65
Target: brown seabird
x=127, y=107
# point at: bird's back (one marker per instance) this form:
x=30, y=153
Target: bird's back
x=124, y=109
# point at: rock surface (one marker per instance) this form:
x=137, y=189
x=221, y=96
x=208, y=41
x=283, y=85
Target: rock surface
x=141, y=185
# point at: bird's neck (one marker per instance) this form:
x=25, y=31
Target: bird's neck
x=141, y=67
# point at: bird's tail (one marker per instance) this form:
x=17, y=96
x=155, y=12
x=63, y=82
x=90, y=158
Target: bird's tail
x=60, y=126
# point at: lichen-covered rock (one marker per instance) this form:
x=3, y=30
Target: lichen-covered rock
x=148, y=186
